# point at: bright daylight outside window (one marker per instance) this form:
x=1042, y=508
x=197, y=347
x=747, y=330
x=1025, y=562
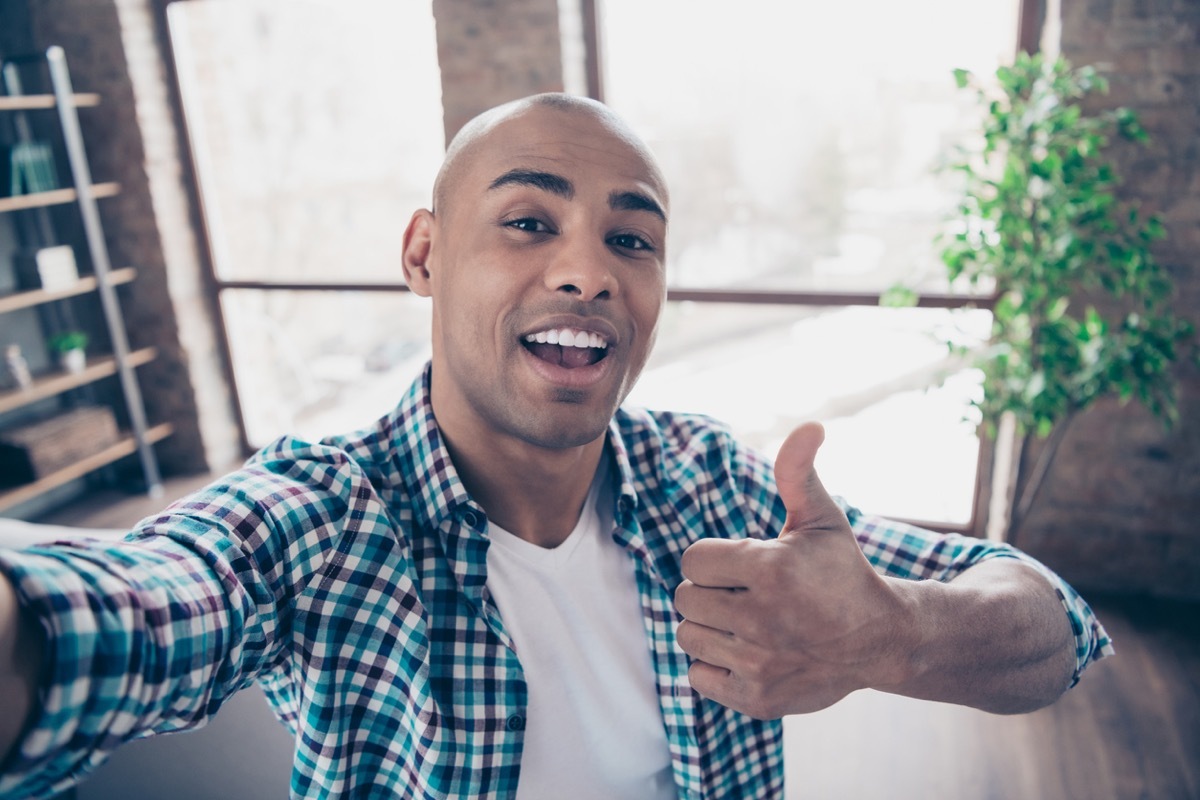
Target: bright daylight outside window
x=316, y=128
x=799, y=142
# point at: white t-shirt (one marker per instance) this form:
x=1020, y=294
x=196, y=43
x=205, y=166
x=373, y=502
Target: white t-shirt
x=593, y=727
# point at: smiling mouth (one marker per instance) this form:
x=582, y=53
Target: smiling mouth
x=567, y=347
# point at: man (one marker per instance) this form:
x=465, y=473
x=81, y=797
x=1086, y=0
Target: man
x=509, y=587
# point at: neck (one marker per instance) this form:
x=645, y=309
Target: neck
x=531, y=492
x=531, y=488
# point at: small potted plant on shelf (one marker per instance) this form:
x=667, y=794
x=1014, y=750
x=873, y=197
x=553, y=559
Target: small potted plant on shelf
x=69, y=345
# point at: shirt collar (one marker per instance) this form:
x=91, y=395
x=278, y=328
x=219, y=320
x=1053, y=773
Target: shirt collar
x=423, y=462
x=428, y=474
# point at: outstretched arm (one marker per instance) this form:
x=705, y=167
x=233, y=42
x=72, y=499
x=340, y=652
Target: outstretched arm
x=794, y=624
x=21, y=652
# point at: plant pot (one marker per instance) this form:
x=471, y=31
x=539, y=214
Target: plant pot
x=73, y=361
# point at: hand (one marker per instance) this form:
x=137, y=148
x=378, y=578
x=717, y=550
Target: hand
x=21, y=645
x=791, y=625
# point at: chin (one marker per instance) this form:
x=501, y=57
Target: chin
x=568, y=428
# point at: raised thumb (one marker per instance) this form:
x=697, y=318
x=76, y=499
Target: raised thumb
x=803, y=496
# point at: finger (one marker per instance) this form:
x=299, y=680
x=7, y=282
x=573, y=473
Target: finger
x=712, y=681
x=708, y=644
x=718, y=563
x=715, y=608
x=803, y=496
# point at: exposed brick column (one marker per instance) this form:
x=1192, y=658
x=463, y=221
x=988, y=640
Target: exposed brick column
x=492, y=51
x=1119, y=510
x=112, y=49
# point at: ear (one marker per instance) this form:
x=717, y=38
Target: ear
x=418, y=245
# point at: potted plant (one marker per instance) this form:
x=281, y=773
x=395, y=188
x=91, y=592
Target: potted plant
x=69, y=346
x=1083, y=307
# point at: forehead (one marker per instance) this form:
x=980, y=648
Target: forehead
x=578, y=145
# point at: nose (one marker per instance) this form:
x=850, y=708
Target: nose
x=583, y=270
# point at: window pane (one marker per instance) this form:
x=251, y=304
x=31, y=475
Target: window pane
x=892, y=398
x=316, y=129
x=799, y=139
x=319, y=363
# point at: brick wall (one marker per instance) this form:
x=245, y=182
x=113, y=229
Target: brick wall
x=492, y=51
x=1119, y=511
x=112, y=49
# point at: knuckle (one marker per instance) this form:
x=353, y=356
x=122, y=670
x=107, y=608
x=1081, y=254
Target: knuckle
x=759, y=706
x=755, y=628
x=758, y=666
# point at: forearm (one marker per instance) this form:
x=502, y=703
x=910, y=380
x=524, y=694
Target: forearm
x=143, y=637
x=21, y=654
x=995, y=638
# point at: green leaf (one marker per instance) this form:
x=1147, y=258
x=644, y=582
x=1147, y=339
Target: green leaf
x=1041, y=220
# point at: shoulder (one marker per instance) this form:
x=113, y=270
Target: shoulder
x=283, y=513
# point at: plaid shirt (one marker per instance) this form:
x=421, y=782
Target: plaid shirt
x=348, y=577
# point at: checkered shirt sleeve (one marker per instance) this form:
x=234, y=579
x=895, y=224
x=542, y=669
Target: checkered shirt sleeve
x=153, y=634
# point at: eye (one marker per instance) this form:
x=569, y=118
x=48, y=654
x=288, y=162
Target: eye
x=629, y=241
x=528, y=225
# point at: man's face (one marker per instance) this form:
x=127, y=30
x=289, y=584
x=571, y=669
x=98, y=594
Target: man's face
x=546, y=265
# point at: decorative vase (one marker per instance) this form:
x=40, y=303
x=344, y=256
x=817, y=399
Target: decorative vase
x=73, y=361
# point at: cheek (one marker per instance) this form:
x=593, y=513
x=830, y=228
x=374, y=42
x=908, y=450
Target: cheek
x=472, y=308
x=646, y=303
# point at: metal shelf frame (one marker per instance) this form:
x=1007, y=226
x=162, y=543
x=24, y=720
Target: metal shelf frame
x=85, y=194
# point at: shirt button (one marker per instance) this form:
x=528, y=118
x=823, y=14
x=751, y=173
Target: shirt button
x=470, y=518
x=515, y=722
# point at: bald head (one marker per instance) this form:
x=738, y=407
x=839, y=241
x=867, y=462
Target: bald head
x=473, y=137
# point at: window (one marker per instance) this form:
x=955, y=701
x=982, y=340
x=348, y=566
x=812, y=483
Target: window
x=800, y=143
x=309, y=161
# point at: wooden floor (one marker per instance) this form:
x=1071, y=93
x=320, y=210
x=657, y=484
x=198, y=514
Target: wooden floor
x=1130, y=729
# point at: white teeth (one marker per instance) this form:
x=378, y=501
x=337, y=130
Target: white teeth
x=568, y=337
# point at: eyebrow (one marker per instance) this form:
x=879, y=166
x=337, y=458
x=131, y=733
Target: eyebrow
x=557, y=184
x=546, y=181
x=635, y=201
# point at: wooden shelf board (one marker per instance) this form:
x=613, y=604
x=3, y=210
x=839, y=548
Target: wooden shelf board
x=56, y=383
x=126, y=446
x=30, y=102
x=57, y=197
x=35, y=297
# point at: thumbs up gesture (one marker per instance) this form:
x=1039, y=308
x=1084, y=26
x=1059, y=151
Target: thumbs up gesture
x=794, y=624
